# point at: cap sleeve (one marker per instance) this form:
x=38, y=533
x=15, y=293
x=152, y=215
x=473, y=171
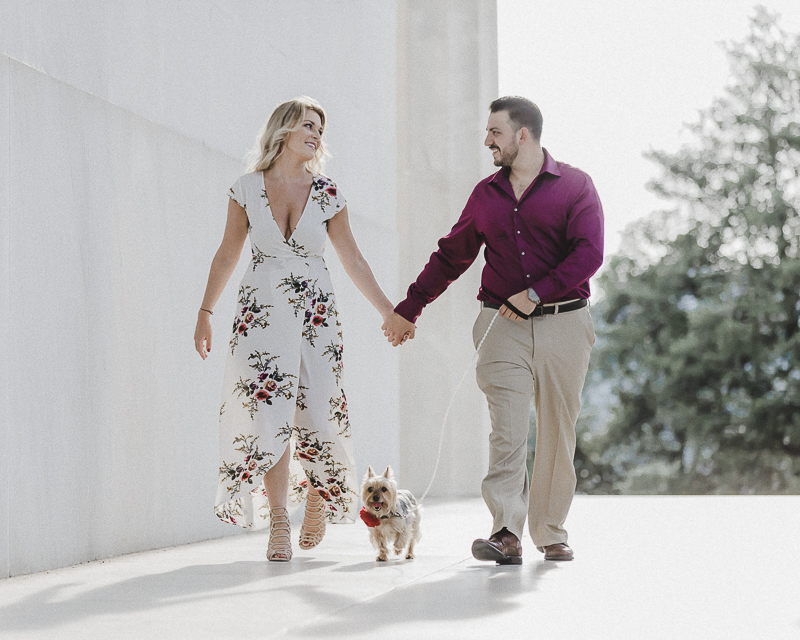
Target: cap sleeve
x=330, y=199
x=236, y=193
x=339, y=202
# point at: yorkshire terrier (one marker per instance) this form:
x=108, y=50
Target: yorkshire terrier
x=392, y=515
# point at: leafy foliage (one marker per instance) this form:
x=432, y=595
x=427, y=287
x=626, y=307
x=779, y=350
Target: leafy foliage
x=699, y=341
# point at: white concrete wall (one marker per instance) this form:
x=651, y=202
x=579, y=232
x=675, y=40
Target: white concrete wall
x=122, y=125
x=447, y=78
x=126, y=124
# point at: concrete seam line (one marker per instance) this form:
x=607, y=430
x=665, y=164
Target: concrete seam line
x=139, y=116
x=6, y=312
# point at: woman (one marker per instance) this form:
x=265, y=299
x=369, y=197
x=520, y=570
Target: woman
x=282, y=379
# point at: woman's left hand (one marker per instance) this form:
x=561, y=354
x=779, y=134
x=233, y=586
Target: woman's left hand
x=202, y=334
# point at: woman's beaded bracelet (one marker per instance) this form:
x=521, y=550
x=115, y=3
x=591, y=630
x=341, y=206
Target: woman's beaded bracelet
x=207, y=311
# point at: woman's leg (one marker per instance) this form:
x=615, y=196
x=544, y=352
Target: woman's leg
x=276, y=485
x=276, y=481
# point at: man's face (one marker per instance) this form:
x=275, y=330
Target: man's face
x=501, y=138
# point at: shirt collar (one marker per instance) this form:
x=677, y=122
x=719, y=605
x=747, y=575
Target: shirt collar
x=549, y=166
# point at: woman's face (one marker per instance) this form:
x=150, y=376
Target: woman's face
x=305, y=139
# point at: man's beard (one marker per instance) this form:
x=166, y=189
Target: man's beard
x=507, y=157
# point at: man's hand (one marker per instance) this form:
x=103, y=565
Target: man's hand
x=522, y=302
x=397, y=329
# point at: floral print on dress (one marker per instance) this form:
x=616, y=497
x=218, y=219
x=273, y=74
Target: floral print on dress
x=284, y=367
x=321, y=311
x=301, y=398
x=252, y=315
x=237, y=198
x=329, y=481
x=258, y=256
x=268, y=385
x=300, y=288
x=230, y=512
x=322, y=192
x=297, y=249
x=339, y=415
x=253, y=463
x=316, y=306
x=334, y=352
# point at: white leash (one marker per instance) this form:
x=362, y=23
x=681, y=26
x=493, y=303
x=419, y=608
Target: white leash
x=450, y=404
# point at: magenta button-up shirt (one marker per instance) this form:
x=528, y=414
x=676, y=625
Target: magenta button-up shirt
x=550, y=240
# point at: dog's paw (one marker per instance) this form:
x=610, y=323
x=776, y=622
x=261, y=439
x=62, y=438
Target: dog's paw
x=382, y=558
x=410, y=556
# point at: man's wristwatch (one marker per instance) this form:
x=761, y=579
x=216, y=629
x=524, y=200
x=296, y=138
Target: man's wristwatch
x=534, y=297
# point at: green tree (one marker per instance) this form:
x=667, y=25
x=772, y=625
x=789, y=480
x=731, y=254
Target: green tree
x=700, y=333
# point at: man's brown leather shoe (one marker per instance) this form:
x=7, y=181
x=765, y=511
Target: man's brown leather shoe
x=558, y=551
x=503, y=547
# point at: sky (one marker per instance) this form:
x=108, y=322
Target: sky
x=616, y=78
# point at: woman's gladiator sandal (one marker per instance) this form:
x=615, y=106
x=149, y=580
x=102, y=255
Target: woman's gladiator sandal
x=313, y=522
x=280, y=541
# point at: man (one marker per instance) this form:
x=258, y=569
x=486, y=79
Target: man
x=542, y=224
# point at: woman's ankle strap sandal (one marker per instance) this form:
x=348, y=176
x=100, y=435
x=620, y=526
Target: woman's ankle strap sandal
x=313, y=528
x=280, y=541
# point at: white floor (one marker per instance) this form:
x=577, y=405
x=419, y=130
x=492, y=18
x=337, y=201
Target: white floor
x=676, y=568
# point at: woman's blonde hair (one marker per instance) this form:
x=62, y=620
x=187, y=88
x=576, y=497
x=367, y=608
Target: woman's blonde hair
x=284, y=120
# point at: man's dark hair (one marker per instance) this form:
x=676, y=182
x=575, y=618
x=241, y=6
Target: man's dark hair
x=522, y=113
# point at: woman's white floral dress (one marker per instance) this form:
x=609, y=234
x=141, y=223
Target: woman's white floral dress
x=284, y=367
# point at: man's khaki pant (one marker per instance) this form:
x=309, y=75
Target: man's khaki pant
x=546, y=357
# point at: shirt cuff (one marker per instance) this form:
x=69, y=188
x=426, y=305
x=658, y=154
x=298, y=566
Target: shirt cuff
x=409, y=310
x=544, y=289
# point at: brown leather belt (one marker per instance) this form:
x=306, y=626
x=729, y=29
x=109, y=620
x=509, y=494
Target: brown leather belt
x=548, y=309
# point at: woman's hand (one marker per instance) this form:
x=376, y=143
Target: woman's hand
x=202, y=334
x=397, y=329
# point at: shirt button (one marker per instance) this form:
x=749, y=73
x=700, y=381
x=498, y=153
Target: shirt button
x=516, y=209
x=523, y=253
x=528, y=275
x=517, y=231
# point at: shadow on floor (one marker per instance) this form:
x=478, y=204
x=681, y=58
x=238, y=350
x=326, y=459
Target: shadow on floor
x=467, y=592
x=56, y=605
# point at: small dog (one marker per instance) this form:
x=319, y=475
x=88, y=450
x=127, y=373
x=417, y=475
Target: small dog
x=392, y=515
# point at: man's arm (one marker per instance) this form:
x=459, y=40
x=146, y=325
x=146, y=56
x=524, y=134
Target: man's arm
x=457, y=251
x=585, y=236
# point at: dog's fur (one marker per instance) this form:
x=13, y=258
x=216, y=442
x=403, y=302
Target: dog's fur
x=398, y=513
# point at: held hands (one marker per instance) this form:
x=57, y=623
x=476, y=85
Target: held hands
x=397, y=329
x=522, y=302
x=202, y=334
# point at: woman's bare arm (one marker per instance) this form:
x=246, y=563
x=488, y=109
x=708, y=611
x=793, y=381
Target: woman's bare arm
x=225, y=261
x=355, y=265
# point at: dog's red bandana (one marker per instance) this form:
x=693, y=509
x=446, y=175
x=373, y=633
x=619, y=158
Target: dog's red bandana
x=369, y=519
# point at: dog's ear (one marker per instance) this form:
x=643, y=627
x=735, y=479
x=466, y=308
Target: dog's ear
x=370, y=472
x=388, y=473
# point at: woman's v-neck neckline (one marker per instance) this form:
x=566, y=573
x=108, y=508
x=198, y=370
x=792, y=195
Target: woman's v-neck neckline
x=302, y=214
